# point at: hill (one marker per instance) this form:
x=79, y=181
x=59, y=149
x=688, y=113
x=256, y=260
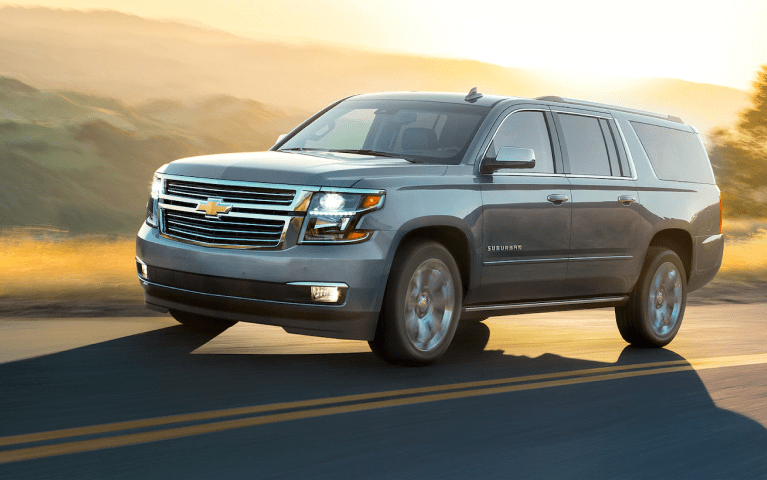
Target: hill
x=83, y=162
x=135, y=59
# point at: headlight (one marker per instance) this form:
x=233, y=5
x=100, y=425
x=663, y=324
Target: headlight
x=152, y=203
x=333, y=216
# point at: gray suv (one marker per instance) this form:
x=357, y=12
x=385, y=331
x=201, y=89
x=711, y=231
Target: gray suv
x=390, y=217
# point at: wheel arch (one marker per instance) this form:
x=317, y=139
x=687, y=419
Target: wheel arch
x=678, y=240
x=451, y=233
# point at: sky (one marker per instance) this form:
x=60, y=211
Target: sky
x=723, y=43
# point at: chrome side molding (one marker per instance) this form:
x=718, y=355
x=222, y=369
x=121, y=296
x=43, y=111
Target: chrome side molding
x=553, y=305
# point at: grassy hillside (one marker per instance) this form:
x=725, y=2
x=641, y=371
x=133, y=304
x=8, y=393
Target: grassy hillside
x=135, y=59
x=83, y=162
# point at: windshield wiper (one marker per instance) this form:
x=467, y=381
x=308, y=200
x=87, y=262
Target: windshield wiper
x=299, y=149
x=374, y=153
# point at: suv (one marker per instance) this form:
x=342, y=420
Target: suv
x=389, y=217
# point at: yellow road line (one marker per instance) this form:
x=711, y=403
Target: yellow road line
x=171, y=433
x=230, y=412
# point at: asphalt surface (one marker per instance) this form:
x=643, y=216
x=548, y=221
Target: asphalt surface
x=531, y=396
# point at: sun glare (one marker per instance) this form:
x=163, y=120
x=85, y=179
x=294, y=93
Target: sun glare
x=657, y=38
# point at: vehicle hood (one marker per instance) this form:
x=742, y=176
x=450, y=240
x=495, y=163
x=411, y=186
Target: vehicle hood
x=314, y=169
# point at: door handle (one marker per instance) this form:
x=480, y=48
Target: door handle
x=627, y=199
x=557, y=198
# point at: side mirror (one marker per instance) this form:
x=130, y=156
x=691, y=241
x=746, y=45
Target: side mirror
x=281, y=137
x=509, y=157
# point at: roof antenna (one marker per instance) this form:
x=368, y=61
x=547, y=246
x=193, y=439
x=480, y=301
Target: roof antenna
x=473, y=96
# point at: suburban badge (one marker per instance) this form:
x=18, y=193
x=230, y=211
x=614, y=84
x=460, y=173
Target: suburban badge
x=504, y=248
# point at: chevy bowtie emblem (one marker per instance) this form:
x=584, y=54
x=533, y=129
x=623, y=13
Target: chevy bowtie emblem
x=213, y=208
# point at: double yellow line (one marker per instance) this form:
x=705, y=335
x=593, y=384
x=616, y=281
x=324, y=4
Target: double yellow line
x=285, y=411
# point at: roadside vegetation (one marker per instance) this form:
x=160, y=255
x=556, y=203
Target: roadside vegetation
x=739, y=157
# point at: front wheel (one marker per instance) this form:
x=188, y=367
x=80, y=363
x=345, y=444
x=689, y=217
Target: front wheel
x=421, y=307
x=654, y=312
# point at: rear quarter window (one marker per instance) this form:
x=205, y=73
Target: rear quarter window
x=674, y=154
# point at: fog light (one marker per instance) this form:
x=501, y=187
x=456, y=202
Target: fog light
x=325, y=294
x=142, y=269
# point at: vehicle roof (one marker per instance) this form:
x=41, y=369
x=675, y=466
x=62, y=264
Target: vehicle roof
x=444, y=97
x=552, y=101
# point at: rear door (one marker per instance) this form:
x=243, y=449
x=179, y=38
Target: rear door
x=605, y=203
x=526, y=214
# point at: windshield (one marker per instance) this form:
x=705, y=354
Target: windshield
x=418, y=131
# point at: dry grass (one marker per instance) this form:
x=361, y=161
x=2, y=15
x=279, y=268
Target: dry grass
x=66, y=268
x=58, y=267
x=745, y=258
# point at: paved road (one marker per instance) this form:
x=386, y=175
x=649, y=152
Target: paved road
x=534, y=396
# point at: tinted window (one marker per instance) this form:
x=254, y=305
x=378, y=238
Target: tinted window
x=427, y=132
x=586, y=149
x=674, y=154
x=526, y=130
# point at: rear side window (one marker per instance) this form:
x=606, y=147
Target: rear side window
x=674, y=154
x=586, y=147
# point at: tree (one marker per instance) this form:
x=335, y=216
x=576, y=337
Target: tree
x=739, y=157
x=754, y=119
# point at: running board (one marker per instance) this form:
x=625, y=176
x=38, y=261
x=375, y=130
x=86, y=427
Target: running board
x=545, y=306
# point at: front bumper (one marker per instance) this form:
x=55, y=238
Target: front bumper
x=254, y=286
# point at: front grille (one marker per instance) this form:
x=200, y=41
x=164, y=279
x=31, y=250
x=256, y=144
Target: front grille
x=230, y=193
x=226, y=231
x=259, y=217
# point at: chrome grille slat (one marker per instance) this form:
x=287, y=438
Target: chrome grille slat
x=210, y=189
x=229, y=198
x=254, y=221
x=231, y=193
x=222, y=240
x=226, y=230
x=170, y=214
x=173, y=204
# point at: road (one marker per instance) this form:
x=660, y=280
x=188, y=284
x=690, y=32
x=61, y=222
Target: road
x=555, y=395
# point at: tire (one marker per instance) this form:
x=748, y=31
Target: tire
x=201, y=323
x=421, y=307
x=655, y=309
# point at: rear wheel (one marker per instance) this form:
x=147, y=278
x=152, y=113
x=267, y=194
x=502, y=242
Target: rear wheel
x=421, y=307
x=201, y=322
x=654, y=312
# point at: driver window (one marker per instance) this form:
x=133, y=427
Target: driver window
x=526, y=130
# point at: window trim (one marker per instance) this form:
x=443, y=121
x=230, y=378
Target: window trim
x=553, y=143
x=612, y=147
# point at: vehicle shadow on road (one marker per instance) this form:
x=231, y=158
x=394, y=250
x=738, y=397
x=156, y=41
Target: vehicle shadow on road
x=663, y=425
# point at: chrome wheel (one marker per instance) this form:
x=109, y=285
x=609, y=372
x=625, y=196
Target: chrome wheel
x=421, y=306
x=664, y=301
x=429, y=305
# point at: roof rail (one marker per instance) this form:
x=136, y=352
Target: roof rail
x=572, y=101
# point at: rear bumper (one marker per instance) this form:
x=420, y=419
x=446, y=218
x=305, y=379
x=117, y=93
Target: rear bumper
x=709, y=251
x=254, y=286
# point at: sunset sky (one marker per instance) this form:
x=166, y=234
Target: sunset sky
x=721, y=43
